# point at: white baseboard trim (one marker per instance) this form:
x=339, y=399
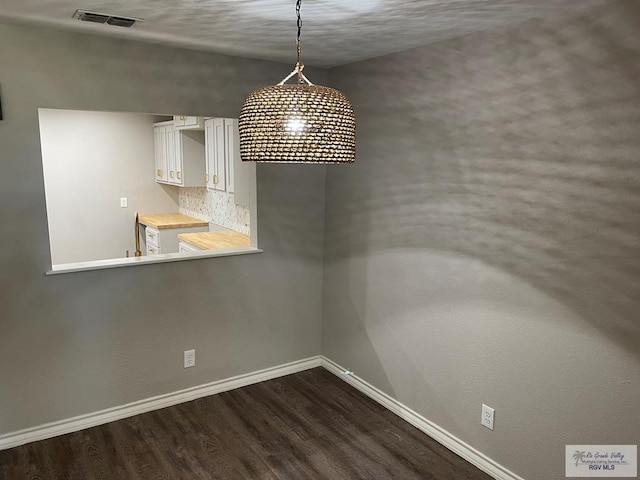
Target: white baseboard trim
x=439, y=434
x=81, y=422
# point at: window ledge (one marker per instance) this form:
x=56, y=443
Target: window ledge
x=147, y=260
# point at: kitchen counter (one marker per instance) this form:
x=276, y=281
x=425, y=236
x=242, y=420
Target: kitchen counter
x=215, y=240
x=163, y=221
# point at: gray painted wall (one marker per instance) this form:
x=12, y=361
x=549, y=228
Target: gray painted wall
x=485, y=247
x=76, y=343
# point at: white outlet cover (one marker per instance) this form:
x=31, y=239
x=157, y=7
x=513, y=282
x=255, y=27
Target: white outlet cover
x=124, y=202
x=487, y=417
x=189, y=358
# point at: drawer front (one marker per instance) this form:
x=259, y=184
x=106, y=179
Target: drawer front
x=153, y=237
x=152, y=249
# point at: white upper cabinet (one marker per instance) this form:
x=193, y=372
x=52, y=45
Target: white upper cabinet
x=231, y=149
x=170, y=146
x=225, y=170
x=215, y=148
x=180, y=155
x=183, y=122
x=244, y=176
x=160, y=149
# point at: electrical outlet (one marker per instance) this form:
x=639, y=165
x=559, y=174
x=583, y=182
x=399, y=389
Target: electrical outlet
x=487, y=416
x=124, y=202
x=189, y=358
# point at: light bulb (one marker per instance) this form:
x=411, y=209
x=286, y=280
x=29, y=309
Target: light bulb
x=295, y=126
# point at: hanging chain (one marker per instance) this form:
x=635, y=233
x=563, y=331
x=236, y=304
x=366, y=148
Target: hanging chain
x=299, y=65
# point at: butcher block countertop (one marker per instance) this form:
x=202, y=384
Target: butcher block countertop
x=171, y=220
x=214, y=240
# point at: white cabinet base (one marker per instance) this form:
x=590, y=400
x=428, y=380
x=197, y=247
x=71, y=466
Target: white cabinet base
x=165, y=240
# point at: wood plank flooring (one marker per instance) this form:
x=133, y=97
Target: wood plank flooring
x=310, y=425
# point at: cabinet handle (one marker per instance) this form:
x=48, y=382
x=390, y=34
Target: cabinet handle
x=159, y=172
x=215, y=179
x=171, y=174
x=182, y=117
x=179, y=175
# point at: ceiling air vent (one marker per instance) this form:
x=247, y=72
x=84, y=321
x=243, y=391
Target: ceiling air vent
x=121, y=22
x=94, y=17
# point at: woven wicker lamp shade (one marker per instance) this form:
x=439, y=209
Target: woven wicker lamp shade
x=297, y=123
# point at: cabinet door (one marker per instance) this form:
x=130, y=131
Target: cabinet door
x=209, y=154
x=176, y=163
x=215, y=154
x=231, y=150
x=219, y=178
x=244, y=181
x=183, y=122
x=186, y=248
x=172, y=154
x=160, y=140
x=194, y=122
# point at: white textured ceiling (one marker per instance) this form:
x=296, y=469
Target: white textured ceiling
x=334, y=31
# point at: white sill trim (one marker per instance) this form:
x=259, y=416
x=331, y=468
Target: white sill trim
x=148, y=260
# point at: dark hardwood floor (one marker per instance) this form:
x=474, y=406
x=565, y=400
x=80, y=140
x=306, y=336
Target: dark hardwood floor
x=310, y=425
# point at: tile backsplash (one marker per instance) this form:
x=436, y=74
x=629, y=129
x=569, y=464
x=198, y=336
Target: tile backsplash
x=215, y=207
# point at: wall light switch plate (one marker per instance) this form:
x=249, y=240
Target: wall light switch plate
x=189, y=358
x=487, y=416
x=124, y=202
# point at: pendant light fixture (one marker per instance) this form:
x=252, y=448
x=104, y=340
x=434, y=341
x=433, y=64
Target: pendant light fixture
x=297, y=123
